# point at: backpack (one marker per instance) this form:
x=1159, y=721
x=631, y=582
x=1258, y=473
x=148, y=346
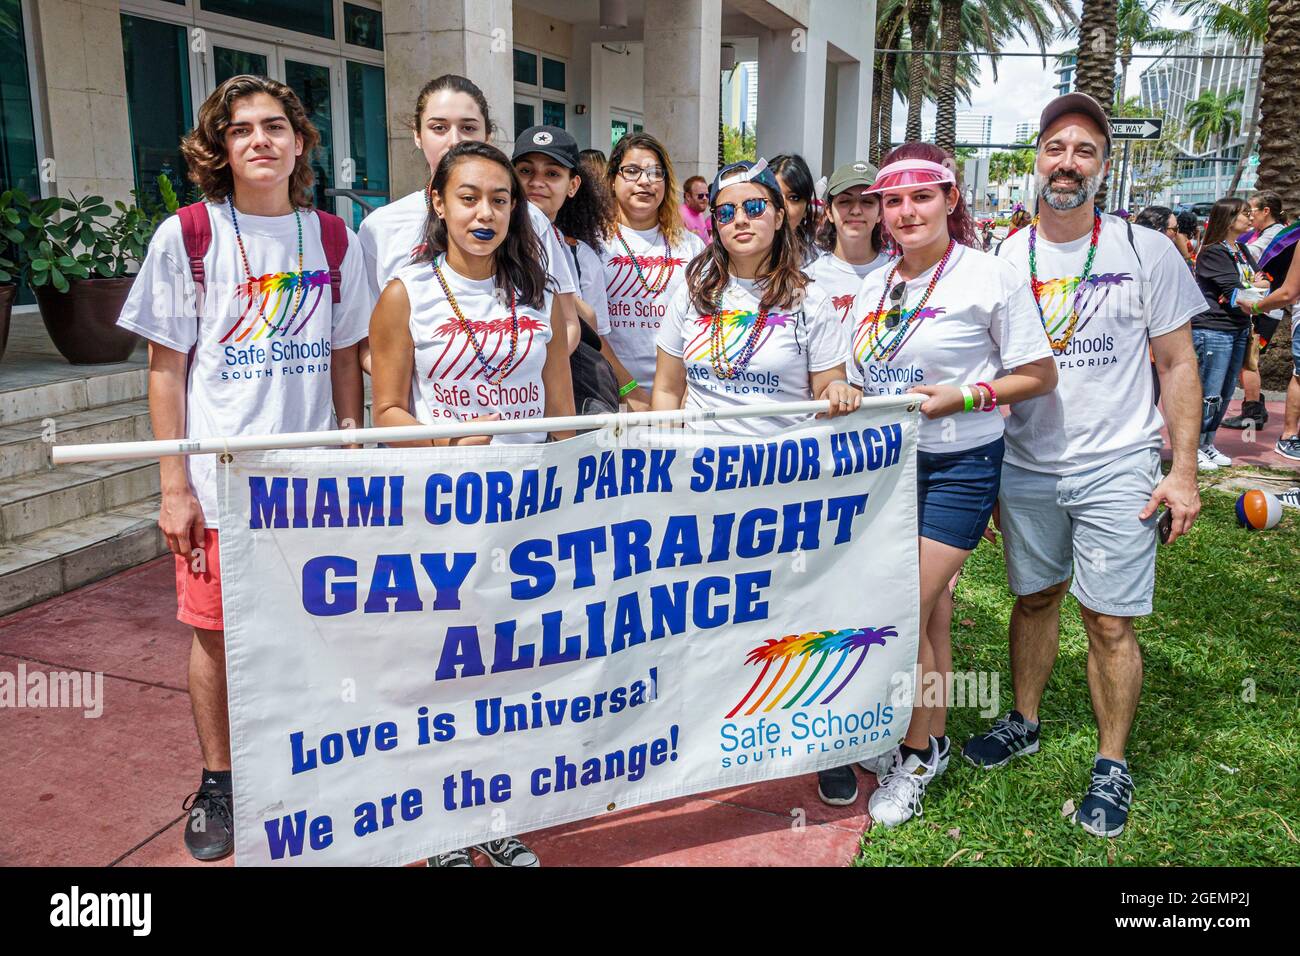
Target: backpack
x=196, y=230
x=595, y=388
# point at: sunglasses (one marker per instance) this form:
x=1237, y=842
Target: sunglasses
x=727, y=211
x=895, y=313
x=653, y=174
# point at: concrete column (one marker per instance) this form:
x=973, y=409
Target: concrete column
x=852, y=122
x=585, y=85
x=791, y=95
x=683, y=40
x=426, y=38
x=84, y=85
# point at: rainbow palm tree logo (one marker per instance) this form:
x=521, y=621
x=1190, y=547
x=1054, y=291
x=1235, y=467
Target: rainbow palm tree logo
x=624, y=281
x=736, y=325
x=275, y=302
x=492, y=335
x=865, y=336
x=1057, y=299
x=822, y=645
x=843, y=305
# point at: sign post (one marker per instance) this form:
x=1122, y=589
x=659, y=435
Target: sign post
x=1147, y=128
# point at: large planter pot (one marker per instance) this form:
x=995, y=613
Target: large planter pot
x=82, y=322
x=7, y=294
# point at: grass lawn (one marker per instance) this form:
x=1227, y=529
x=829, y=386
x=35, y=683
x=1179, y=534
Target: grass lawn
x=1216, y=767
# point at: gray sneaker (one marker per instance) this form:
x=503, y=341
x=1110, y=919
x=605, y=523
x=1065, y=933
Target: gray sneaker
x=509, y=852
x=450, y=858
x=1288, y=447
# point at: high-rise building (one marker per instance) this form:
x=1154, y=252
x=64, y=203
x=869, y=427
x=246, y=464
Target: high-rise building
x=1025, y=132
x=974, y=128
x=1065, y=73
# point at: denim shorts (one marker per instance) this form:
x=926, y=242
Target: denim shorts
x=956, y=492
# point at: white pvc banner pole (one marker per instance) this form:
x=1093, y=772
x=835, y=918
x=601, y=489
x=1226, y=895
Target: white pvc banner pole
x=162, y=448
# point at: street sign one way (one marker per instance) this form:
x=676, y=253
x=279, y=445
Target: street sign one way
x=1136, y=128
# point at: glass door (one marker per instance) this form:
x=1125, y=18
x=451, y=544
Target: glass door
x=314, y=79
x=228, y=56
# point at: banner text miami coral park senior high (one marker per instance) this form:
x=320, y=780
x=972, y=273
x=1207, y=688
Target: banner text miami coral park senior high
x=333, y=584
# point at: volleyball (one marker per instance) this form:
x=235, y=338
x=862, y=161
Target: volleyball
x=1258, y=510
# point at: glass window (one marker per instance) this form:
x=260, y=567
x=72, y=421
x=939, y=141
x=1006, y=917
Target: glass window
x=18, y=166
x=312, y=84
x=525, y=67
x=524, y=117
x=552, y=114
x=156, y=57
x=227, y=63
x=363, y=27
x=368, y=125
x=553, y=74
x=617, y=130
x=305, y=16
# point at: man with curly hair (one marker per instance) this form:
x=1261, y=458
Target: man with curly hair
x=253, y=304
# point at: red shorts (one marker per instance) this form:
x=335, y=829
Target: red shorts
x=198, y=586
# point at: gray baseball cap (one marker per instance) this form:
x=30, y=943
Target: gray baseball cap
x=1074, y=103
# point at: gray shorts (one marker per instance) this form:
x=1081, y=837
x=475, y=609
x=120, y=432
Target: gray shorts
x=1086, y=523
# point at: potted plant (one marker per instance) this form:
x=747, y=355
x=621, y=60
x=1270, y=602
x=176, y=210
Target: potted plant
x=77, y=266
x=9, y=233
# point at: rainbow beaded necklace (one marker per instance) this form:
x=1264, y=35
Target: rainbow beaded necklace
x=665, y=274
x=882, y=348
x=1058, y=345
x=724, y=368
x=494, y=374
x=243, y=254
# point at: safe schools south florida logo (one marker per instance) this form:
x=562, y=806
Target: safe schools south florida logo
x=823, y=645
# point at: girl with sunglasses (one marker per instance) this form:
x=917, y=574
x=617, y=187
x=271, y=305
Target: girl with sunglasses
x=466, y=331
x=958, y=328
x=451, y=109
x=646, y=252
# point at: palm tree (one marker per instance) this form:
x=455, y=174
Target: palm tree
x=1279, y=138
x=1212, y=117
x=918, y=27
x=1095, y=71
x=890, y=17
x=1137, y=26
x=986, y=25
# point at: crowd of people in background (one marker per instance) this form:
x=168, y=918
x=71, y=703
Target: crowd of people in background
x=554, y=281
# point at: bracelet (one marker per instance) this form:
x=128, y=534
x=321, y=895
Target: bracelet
x=980, y=399
x=629, y=388
x=993, y=396
x=968, y=398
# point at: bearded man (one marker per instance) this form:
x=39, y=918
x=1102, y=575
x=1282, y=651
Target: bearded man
x=1081, y=481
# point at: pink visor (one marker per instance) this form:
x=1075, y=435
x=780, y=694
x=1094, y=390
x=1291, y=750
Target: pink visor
x=911, y=174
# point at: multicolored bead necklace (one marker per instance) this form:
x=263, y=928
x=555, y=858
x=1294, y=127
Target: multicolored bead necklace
x=243, y=254
x=1243, y=264
x=724, y=368
x=877, y=347
x=665, y=275
x=1058, y=345
x=494, y=374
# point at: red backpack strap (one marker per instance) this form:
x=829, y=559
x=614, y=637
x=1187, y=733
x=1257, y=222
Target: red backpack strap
x=196, y=230
x=334, y=237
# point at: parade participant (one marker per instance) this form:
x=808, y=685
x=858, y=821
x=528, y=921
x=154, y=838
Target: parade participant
x=1283, y=268
x=646, y=252
x=477, y=281
x=1082, y=472
x=850, y=236
x=548, y=163
x=695, y=208
x=1221, y=332
x=956, y=327
x=449, y=110
x=798, y=192
x=253, y=320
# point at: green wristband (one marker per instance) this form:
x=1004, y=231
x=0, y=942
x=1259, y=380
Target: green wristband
x=629, y=388
x=968, y=398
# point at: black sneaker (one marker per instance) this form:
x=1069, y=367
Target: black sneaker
x=1253, y=415
x=1288, y=448
x=451, y=858
x=1104, y=810
x=210, y=824
x=1010, y=737
x=837, y=786
x=509, y=852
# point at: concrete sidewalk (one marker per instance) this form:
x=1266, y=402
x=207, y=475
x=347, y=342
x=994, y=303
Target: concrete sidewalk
x=108, y=791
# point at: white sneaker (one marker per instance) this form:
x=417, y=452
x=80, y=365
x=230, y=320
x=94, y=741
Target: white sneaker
x=881, y=764
x=1290, y=498
x=899, y=796
x=1218, y=457
x=1204, y=462
x=941, y=756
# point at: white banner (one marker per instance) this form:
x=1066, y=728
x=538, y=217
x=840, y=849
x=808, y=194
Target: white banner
x=430, y=648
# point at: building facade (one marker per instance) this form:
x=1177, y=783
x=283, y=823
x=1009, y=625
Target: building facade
x=96, y=94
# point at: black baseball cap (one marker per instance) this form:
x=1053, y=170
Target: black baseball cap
x=549, y=141
x=1075, y=103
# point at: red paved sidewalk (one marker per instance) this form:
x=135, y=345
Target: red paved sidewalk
x=94, y=792
x=1259, y=450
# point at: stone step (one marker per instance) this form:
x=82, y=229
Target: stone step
x=45, y=499
x=21, y=400
x=56, y=560
x=25, y=447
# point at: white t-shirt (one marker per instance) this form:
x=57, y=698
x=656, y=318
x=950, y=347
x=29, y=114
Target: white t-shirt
x=451, y=383
x=261, y=361
x=841, y=280
x=1102, y=407
x=590, y=274
x=794, y=343
x=634, y=311
x=391, y=233
x=977, y=325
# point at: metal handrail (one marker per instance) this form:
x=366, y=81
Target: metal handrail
x=356, y=196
